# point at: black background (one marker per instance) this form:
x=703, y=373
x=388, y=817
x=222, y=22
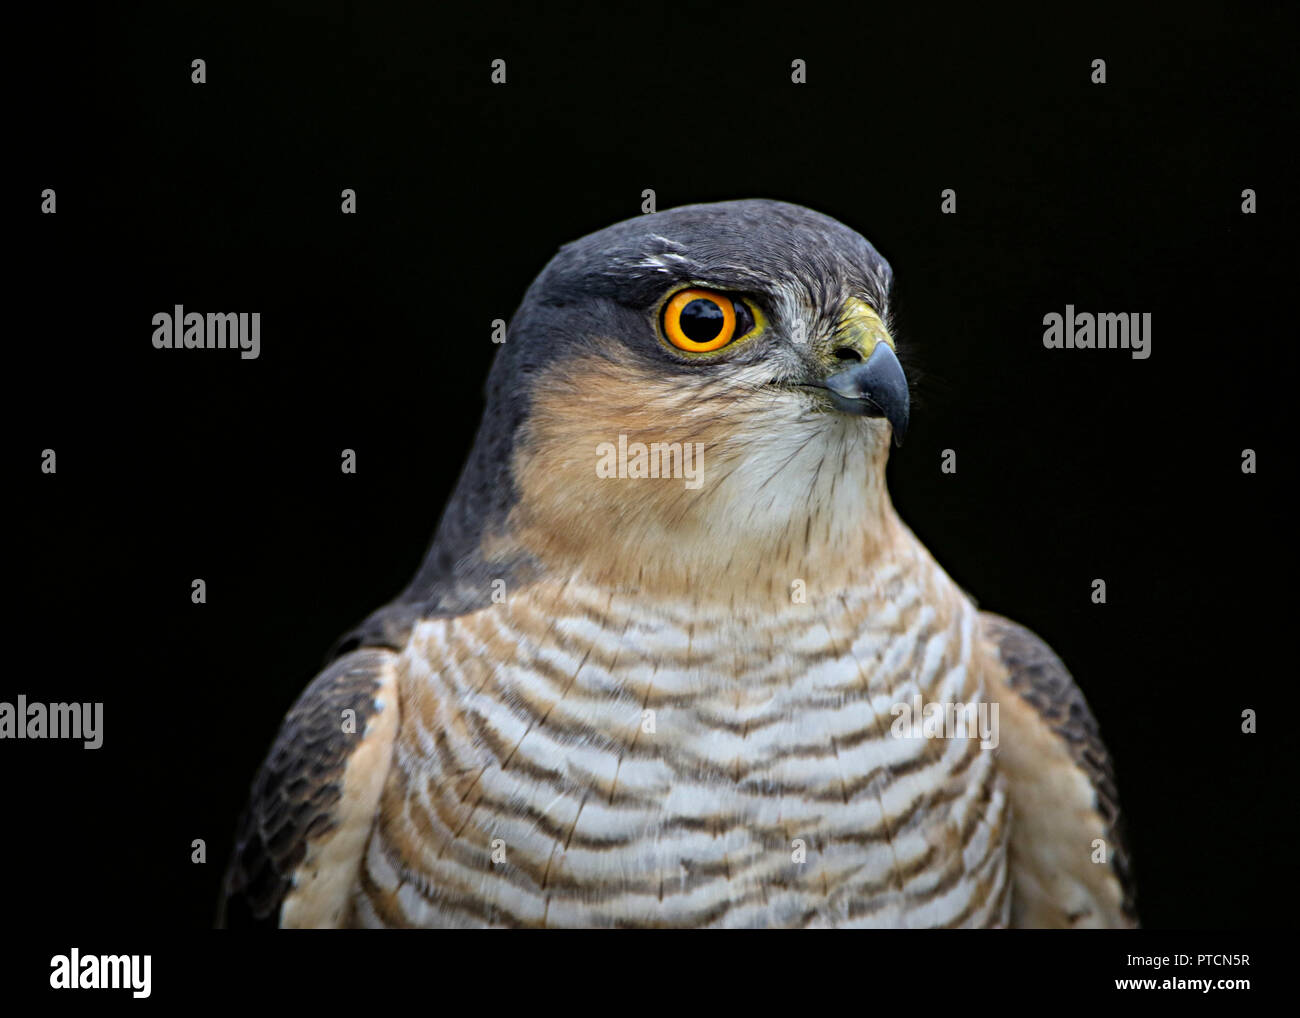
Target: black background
x=1072, y=465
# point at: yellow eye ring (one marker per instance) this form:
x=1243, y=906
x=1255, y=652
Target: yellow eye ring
x=699, y=321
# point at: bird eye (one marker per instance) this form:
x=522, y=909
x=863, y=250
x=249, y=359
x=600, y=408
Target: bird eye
x=699, y=321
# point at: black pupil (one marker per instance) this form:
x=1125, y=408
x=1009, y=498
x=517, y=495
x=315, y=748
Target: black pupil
x=701, y=320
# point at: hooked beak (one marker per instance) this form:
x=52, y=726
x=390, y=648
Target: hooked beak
x=876, y=388
x=875, y=385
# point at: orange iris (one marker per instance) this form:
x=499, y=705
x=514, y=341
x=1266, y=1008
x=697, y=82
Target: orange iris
x=698, y=321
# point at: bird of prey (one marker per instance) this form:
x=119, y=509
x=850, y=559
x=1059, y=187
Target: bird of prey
x=652, y=670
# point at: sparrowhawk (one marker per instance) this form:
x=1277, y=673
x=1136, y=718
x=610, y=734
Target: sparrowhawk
x=653, y=667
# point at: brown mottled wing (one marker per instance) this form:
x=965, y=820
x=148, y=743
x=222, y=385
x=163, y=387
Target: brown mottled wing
x=1063, y=793
x=301, y=836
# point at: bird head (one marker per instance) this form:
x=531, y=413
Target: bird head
x=715, y=385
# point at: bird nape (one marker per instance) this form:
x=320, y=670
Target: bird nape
x=653, y=669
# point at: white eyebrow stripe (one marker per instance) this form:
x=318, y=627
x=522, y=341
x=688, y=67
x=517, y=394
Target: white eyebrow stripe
x=659, y=262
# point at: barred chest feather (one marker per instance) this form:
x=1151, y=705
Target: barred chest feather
x=580, y=758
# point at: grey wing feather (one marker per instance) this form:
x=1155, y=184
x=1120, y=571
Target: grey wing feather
x=296, y=790
x=1042, y=681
